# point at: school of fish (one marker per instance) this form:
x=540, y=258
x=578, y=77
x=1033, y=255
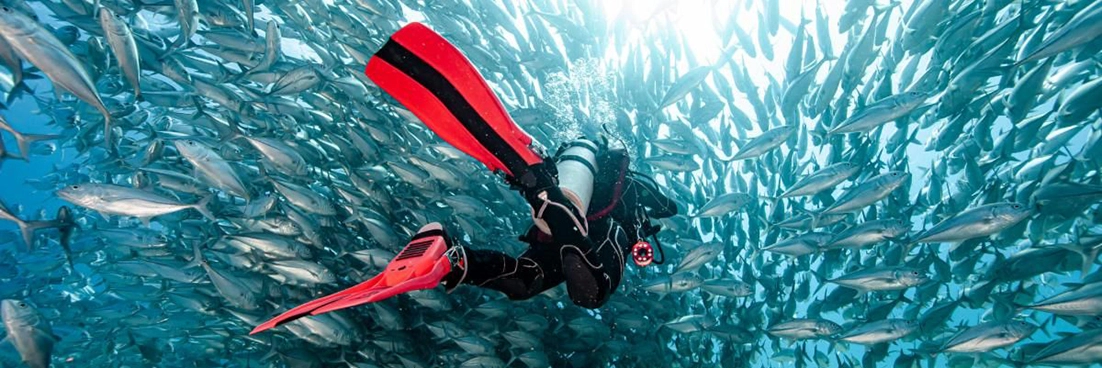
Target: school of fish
x=907, y=183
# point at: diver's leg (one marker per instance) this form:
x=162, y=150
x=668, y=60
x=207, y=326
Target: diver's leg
x=523, y=277
x=592, y=277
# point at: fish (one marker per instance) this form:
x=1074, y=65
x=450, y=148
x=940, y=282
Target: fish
x=802, y=329
x=29, y=332
x=676, y=283
x=690, y=323
x=111, y=199
x=821, y=180
x=975, y=222
x=761, y=144
x=869, y=232
x=187, y=17
x=40, y=47
x=1077, y=348
x=1080, y=29
x=1083, y=301
x=730, y=288
x=881, y=112
x=272, y=49
x=868, y=192
x=673, y=163
x=699, y=256
x=123, y=46
x=723, y=205
x=882, y=279
x=878, y=332
x=212, y=167
x=988, y=336
x=684, y=85
x=800, y=245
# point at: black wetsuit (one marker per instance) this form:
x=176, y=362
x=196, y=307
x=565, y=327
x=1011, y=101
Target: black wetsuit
x=615, y=223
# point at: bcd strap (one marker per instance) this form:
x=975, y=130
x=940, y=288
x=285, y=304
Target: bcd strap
x=578, y=159
x=582, y=143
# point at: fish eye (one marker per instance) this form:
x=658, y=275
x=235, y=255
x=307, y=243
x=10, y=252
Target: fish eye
x=6, y=9
x=22, y=304
x=75, y=187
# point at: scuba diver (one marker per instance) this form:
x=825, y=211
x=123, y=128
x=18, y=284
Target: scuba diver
x=590, y=212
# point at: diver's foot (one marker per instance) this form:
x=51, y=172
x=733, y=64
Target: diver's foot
x=457, y=255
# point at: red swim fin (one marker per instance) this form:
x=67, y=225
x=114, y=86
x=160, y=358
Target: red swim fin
x=431, y=78
x=420, y=265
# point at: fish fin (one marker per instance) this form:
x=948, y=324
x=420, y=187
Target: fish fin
x=202, y=207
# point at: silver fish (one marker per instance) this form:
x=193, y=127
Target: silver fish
x=878, y=332
x=882, y=279
x=212, y=167
x=121, y=39
x=1082, y=301
x=763, y=143
x=801, y=329
x=989, y=336
x=699, y=256
x=673, y=163
x=1084, y=27
x=800, y=245
x=29, y=332
x=976, y=222
x=869, y=232
x=41, y=48
x=272, y=50
x=187, y=15
x=826, y=178
x=724, y=204
x=881, y=112
x=676, y=283
x=305, y=198
x=117, y=200
x=868, y=192
x=730, y=288
x=690, y=323
x=1079, y=348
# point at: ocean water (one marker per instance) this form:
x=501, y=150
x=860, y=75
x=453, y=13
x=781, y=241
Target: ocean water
x=1006, y=114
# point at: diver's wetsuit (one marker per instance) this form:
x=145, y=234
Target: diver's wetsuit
x=615, y=224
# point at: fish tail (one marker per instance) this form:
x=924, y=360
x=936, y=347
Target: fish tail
x=19, y=89
x=24, y=142
x=816, y=217
x=27, y=231
x=202, y=208
x=197, y=259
